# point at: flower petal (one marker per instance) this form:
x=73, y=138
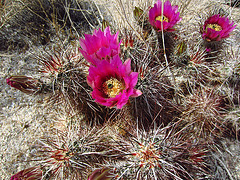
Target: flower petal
x=100, y=45
x=169, y=12
x=211, y=33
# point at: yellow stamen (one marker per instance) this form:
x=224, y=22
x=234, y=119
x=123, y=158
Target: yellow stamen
x=215, y=27
x=161, y=18
x=113, y=87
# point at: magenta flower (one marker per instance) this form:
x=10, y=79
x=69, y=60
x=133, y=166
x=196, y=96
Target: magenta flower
x=168, y=18
x=99, y=46
x=216, y=28
x=25, y=84
x=113, y=82
x=33, y=173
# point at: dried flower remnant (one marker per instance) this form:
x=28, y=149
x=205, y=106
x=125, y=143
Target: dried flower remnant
x=25, y=84
x=33, y=173
x=164, y=20
x=99, y=46
x=113, y=82
x=216, y=28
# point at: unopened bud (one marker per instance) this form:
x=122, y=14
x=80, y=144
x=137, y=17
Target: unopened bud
x=181, y=48
x=33, y=173
x=25, y=84
x=137, y=12
x=101, y=174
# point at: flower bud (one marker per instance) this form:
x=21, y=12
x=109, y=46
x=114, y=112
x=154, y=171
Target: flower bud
x=100, y=174
x=25, y=84
x=33, y=173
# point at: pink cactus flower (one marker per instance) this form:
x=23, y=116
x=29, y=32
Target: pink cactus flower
x=164, y=20
x=33, y=173
x=25, y=84
x=99, y=46
x=113, y=82
x=216, y=28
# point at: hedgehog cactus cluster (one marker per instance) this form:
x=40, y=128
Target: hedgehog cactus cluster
x=152, y=102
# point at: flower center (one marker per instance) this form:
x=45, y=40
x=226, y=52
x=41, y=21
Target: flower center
x=215, y=27
x=161, y=18
x=113, y=87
